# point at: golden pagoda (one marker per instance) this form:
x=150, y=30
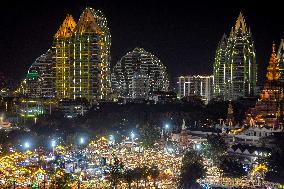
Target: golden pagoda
x=268, y=110
x=273, y=70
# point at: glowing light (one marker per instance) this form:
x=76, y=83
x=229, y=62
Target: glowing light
x=53, y=143
x=27, y=145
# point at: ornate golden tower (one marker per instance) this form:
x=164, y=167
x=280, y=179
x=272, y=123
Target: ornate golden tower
x=268, y=110
x=273, y=71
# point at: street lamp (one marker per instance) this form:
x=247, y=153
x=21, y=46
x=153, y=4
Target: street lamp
x=111, y=139
x=167, y=126
x=132, y=135
x=27, y=145
x=53, y=144
x=82, y=140
x=197, y=146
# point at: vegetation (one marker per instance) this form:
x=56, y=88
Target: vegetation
x=115, y=172
x=231, y=167
x=149, y=135
x=191, y=170
x=214, y=148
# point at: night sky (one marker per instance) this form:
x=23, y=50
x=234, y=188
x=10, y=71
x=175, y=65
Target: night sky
x=183, y=35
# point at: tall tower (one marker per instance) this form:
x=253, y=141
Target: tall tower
x=82, y=57
x=62, y=53
x=241, y=68
x=220, y=68
x=90, y=64
x=268, y=110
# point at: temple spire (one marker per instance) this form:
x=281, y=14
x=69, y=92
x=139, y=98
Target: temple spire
x=273, y=72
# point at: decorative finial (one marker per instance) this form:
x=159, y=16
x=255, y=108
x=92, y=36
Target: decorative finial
x=273, y=47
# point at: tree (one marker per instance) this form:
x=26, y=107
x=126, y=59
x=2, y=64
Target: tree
x=115, y=172
x=214, y=148
x=154, y=172
x=149, y=135
x=61, y=180
x=137, y=175
x=231, y=167
x=145, y=174
x=128, y=176
x=191, y=170
x=275, y=160
x=276, y=167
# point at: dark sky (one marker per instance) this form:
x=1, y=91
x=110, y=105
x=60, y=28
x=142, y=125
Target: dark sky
x=183, y=34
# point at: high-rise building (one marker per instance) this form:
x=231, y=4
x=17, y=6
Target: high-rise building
x=82, y=57
x=196, y=85
x=62, y=57
x=33, y=84
x=220, y=68
x=239, y=68
x=141, y=86
x=40, y=77
x=280, y=58
x=141, y=62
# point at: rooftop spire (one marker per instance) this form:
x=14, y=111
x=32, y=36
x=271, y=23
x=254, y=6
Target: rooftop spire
x=241, y=23
x=88, y=22
x=67, y=27
x=273, y=73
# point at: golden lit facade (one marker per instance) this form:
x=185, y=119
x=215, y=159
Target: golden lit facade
x=268, y=110
x=83, y=57
x=62, y=52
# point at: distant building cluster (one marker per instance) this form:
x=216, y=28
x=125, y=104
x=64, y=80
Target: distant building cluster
x=77, y=68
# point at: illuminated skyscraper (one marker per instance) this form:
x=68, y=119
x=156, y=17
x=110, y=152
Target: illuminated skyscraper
x=149, y=68
x=82, y=57
x=280, y=57
x=62, y=57
x=220, y=68
x=240, y=68
x=40, y=77
x=196, y=85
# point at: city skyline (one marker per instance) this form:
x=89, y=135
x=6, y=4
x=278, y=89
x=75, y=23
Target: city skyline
x=186, y=46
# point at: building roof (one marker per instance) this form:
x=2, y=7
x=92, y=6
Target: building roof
x=67, y=27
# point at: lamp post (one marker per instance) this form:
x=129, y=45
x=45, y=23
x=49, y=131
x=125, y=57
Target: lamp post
x=132, y=135
x=82, y=141
x=167, y=127
x=27, y=145
x=53, y=144
x=111, y=139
